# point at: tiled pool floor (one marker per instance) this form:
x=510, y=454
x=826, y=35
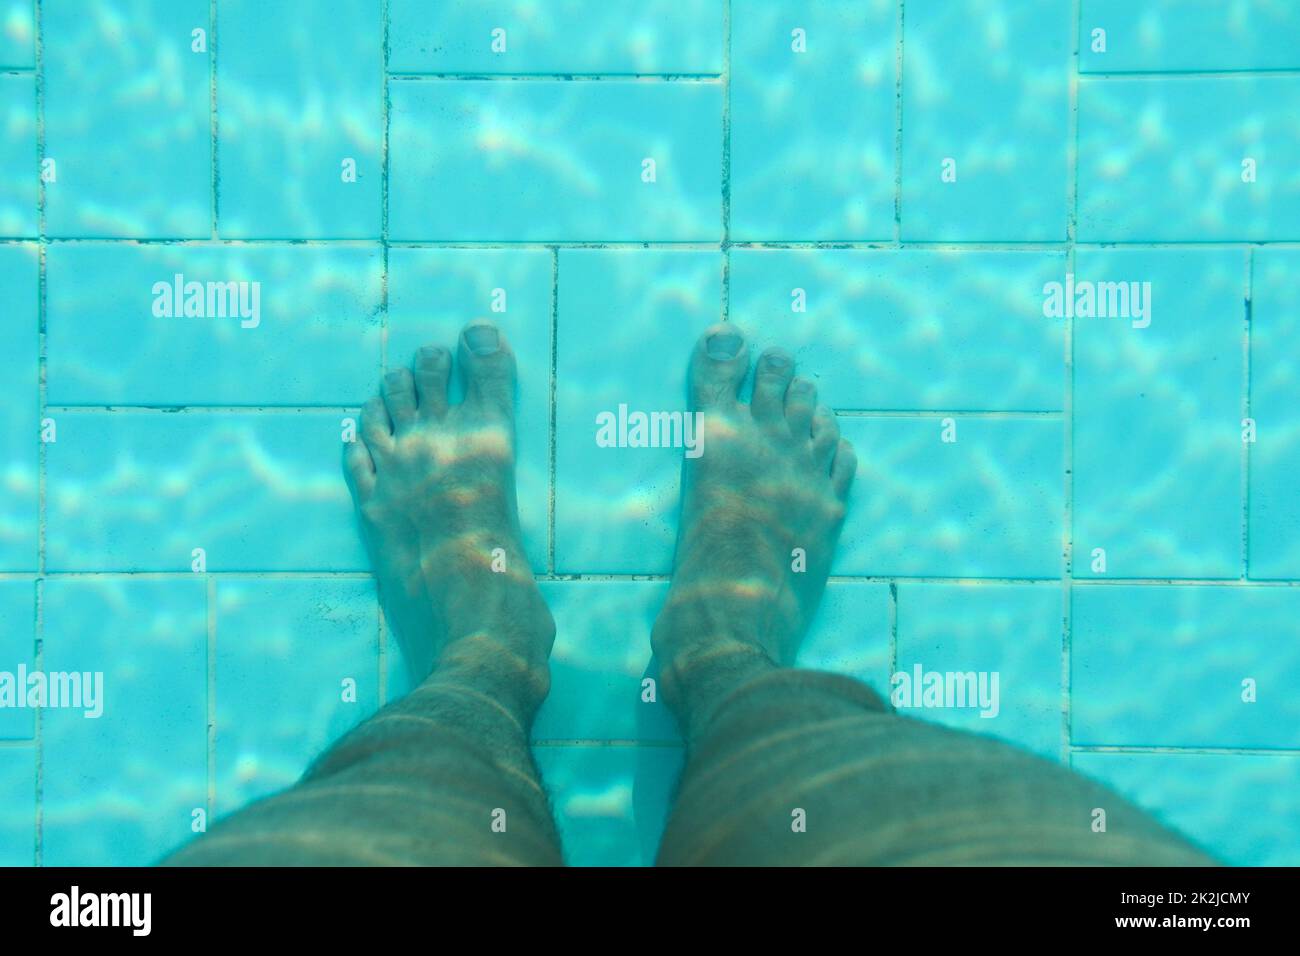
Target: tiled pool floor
x=884, y=186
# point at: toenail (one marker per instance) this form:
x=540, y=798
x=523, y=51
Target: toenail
x=482, y=339
x=723, y=345
x=430, y=353
x=776, y=360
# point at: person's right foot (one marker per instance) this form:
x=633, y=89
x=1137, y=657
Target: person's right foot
x=761, y=507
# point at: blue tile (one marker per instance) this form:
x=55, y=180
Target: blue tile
x=308, y=332
x=127, y=119
x=121, y=789
x=17, y=650
x=17, y=806
x=850, y=634
x=480, y=160
x=1162, y=159
x=628, y=320
x=1011, y=630
x=601, y=655
x=432, y=293
x=1274, y=528
x=19, y=408
x=1167, y=666
x=1241, y=808
x=813, y=130
x=19, y=167
x=903, y=330
x=299, y=92
x=284, y=652
x=570, y=36
x=986, y=85
x=17, y=34
x=989, y=504
x=133, y=492
x=1166, y=35
x=1157, y=415
x=610, y=803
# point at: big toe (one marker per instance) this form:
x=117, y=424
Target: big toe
x=718, y=366
x=487, y=368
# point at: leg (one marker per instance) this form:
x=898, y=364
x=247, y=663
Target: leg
x=432, y=778
x=765, y=740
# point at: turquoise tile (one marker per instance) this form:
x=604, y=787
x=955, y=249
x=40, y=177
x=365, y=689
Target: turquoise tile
x=986, y=85
x=1241, y=808
x=610, y=803
x=432, y=293
x=17, y=34
x=121, y=789
x=19, y=166
x=563, y=161
x=600, y=658
x=17, y=806
x=1163, y=159
x=989, y=504
x=1012, y=631
x=1168, y=666
x=17, y=650
x=133, y=492
x=813, y=119
x=1157, y=414
x=300, y=92
x=628, y=320
x=305, y=330
x=905, y=330
x=1169, y=35
x=127, y=119
x=850, y=634
x=1274, y=527
x=297, y=667
x=566, y=36
x=19, y=407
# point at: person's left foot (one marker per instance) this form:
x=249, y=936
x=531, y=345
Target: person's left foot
x=434, y=485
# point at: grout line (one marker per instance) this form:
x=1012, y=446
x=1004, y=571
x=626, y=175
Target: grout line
x=667, y=743
x=1188, y=751
x=1248, y=309
x=212, y=106
x=416, y=77
x=725, y=248
x=1183, y=74
x=898, y=130
x=381, y=619
x=893, y=628
x=1067, y=417
x=994, y=414
x=550, y=437
x=211, y=600
x=38, y=730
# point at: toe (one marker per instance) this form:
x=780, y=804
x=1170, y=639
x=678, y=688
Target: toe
x=800, y=400
x=432, y=370
x=718, y=366
x=487, y=367
x=825, y=436
x=843, y=468
x=359, y=468
x=398, y=390
x=771, y=379
x=376, y=430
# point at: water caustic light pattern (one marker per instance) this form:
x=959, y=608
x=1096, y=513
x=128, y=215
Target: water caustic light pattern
x=1041, y=259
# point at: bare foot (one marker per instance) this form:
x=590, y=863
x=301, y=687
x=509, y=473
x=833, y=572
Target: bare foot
x=762, y=508
x=434, y=485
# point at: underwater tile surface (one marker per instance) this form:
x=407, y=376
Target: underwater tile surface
x=1274, y=530
x=19, y=171
x=123, y=788
x=17, y=34
x=1188, y=158
x=1240, y=807
x=574, y=36
x=17, y=806
x=20, y=418
x=1206, y=666
x=813, y=119
x=17, y=651
x=139, y=163
x=297, y=666
x=300, y=109
x=555, y=161
x=1161, y=496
